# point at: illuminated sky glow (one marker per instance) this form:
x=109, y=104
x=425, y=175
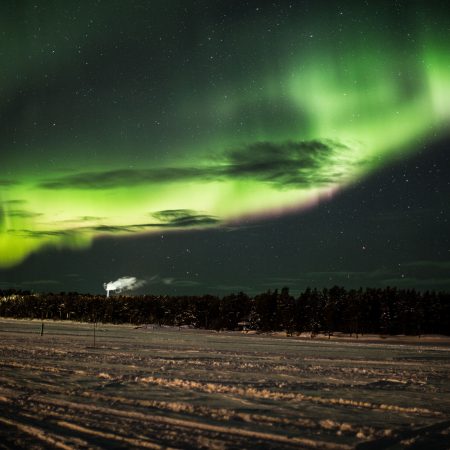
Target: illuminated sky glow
x=213, y=116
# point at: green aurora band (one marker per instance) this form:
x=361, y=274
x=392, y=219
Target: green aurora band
x=317, y=121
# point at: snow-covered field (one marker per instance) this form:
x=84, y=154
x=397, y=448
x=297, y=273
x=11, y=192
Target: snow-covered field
x=164, y=387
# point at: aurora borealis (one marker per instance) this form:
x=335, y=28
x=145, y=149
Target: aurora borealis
x=123, y=123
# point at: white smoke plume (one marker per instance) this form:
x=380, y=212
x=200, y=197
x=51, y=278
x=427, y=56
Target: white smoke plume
x=123, y=284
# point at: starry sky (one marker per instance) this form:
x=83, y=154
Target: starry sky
x=223, y=145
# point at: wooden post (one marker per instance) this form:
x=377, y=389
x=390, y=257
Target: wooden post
x=42, y=328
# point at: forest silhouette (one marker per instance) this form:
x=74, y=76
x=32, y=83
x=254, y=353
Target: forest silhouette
x=387, y=311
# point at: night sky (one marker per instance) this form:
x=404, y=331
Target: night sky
x=218, y=146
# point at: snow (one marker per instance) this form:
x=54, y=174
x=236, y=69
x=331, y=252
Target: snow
x=160, y=387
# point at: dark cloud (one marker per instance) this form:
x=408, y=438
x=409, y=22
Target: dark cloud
x=182, y=218
x=89, y=218
x=444, y=265
x=290, y=164
x=81, y=219
x=170, y=219
x=418, y=283
x=6, y=182
x=71, y=232
x=284, y=165
x=123, y=178
x=6, y=211
x=424, y=270
x=23, y=213
x=111, y=228
x=12, y=202
x=42, y=233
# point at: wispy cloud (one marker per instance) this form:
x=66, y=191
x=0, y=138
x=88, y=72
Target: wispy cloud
x=14, y=202
x=405, y=275
x=122, y=178
x=292, y=164
x=418, y=283
x=284, y=165
x=42, y=233
x=22, y=213
x=170, y=219
x=172, y=281
x=8, y=182
x=39, y=282
x=445, y=265
x=182, y=218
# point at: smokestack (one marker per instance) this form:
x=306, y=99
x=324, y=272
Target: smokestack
x=123, y=284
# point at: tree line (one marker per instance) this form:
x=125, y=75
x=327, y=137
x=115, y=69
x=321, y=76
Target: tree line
x=387, y=311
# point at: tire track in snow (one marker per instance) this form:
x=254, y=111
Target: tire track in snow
x=38, y=433
x=293, y=396
x=58, y=418
x=194, y=424
x=115, y=437
x=222, y=414
x=227, y=414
